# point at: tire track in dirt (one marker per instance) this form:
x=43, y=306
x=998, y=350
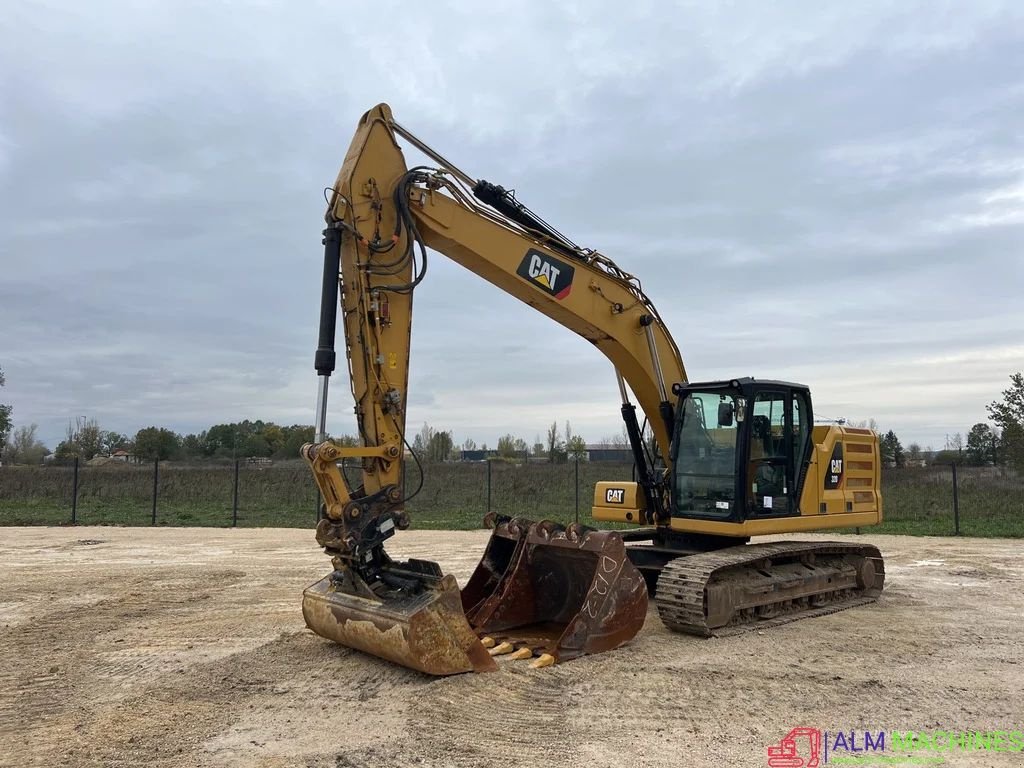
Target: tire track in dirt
x=49, y=662
x=518, y=712
x=309, y=702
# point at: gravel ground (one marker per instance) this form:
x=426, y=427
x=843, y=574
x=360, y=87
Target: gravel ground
x=186, y=647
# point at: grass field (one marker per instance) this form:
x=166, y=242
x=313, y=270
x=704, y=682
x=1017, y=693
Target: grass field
x=453, y=496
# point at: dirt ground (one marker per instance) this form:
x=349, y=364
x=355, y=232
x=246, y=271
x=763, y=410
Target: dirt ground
x=186, y=647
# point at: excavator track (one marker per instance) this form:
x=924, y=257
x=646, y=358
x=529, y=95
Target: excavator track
x=754, y=586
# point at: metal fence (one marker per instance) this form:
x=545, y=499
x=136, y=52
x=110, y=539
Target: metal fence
x=938, y=500
x=449, y=495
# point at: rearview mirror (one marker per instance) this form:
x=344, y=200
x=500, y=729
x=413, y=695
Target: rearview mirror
x=725, y=414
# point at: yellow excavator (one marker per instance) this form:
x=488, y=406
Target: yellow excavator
x=731, y=459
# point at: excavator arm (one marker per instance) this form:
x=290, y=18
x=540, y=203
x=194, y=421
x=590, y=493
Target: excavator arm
x=382, y=218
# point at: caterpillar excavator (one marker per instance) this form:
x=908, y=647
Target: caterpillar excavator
x=735, y=459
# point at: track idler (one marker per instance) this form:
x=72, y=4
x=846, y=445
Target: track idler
x=552, y=591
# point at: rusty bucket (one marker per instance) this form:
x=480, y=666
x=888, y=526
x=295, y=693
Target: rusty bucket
x=426, y=630
x=559, y=591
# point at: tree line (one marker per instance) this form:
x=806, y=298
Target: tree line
x=86, y=439
x=1000, y=442
x=558, y=445
x=243, y=439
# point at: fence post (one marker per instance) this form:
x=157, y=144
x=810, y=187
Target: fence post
x=316, y=500
x=576, y=472
x=156, y=481
x=234, y=499
x=74, y=495
x=956, y=503
x=488, y=486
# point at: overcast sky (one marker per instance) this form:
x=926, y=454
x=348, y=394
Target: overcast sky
x=828, y=193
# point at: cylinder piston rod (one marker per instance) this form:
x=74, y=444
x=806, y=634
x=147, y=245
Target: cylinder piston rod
x=325, y=355
x=664, y=407
x=433, y=154
x=321, y=409
x=648, y=323
x=622, y=387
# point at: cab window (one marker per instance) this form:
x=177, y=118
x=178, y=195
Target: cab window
x=768, y=468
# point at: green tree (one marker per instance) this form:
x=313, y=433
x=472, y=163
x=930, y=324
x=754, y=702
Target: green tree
x=422, y=439
x=83, y=439
x=157, y=443
x=241, y=439
x=196, y=446
x=892, y=450
x=1008, y=413
x=23, y=447
x=113, y=441
x=576, y=448
x=5, y=415
x=556, y=448
x=981, y=443
x=538, y=447
x=294, y=437
x=221, y=440
x=431, y=444
x=440, y=446
x=506, y=446
x=273, y=436
x=914, y=455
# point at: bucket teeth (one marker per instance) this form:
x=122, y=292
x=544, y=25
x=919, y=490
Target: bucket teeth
x=487, y=642
x=544, y=660
x=501, y=649
x=522, y=653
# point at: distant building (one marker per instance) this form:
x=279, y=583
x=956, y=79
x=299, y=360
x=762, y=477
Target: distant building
x=606, y=452
x=477, y=455
x=124, y=457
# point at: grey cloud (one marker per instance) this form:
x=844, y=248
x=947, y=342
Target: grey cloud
x=830, y=195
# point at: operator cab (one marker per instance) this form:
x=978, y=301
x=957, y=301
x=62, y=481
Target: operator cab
x=740, y=449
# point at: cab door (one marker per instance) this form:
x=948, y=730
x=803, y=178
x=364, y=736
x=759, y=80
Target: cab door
x=771, y=474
